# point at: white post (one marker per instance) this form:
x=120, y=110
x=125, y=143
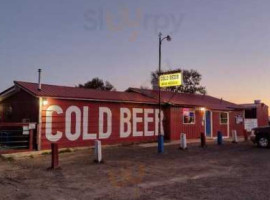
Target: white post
x=234, y=136
x=183, y=141
x=98, y=152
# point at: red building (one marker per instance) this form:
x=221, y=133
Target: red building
x=76, y=116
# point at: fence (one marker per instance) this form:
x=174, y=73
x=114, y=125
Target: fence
x=16, y=136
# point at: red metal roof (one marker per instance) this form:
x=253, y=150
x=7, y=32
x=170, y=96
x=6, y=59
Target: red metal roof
x=184, y=99
x=82, y=93
x=131, y=95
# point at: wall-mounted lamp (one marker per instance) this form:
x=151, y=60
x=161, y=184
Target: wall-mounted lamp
x=202, y=109
x=45, y=102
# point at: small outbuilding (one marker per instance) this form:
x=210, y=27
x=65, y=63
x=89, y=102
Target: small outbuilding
x=76, y=117
x=256, y=115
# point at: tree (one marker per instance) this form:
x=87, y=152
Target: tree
x=191, y=82
x=97, y=84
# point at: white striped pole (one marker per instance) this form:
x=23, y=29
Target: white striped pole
x=183, y=141
x=98, y=151
x=234, y=136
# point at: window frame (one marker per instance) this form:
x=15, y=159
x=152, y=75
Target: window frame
x=190, y=110
x=220, y=118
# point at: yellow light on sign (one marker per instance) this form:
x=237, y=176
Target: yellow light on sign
x=169, y=80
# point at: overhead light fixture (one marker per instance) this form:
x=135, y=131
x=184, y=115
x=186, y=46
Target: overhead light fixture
x=169, y=38
x=45, y=102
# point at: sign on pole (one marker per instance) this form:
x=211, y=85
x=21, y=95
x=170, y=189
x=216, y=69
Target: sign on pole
x=169, y=80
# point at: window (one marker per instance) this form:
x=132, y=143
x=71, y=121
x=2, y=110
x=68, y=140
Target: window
x=251, y=113
x=223, y=118
x=188, y=116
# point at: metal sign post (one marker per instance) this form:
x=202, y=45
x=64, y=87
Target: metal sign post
x=160, y=135
x=166, y=80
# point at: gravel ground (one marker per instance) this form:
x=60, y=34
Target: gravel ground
x=231, y=171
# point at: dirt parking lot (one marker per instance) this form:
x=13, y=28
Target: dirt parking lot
x=231, y=171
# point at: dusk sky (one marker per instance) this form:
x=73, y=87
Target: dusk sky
x=73, y=41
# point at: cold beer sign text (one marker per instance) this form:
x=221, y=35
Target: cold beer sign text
x=75, y=123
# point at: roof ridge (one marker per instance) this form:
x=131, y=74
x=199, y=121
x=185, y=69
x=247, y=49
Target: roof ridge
x=62, y=86
x=135, y=95
x=174, y=94
x=134, y=90
x=69, y=92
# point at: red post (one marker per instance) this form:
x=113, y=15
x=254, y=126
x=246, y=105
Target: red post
x=38, y=138
x=245, y=135
x=31, y=140
x=55, y=156
x=203, y=140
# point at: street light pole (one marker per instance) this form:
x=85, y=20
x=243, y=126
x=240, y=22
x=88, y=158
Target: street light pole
x=159, y=60
x=160, y=135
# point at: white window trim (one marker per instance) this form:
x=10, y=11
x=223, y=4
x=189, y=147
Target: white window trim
x=220, y=118
x=192, y=110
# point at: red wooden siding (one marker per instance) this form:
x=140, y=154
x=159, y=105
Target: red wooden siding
x=24, y=106
x=58, y=122
x=234, y=126
x=217, y=126
x=177, y=127
x=173, y=120
x=262, y=115
x=192, y=130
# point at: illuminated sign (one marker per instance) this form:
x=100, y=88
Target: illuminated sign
x=169, y=80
